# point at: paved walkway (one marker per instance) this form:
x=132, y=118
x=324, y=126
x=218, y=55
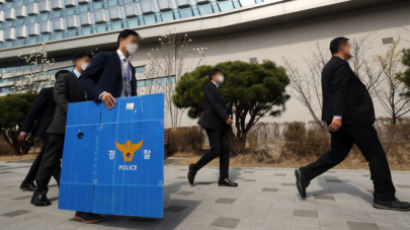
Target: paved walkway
x=266, y=199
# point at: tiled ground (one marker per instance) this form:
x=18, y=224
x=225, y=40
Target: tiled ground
x=265, y=199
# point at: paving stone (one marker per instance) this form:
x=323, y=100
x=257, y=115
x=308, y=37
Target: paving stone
x=305, y=213
x=269, y=189
x=403, y=186
x=175, y=208
x=324, y=197
x=226, y=222
x=225, y=201
x=262, y=202
x=248, y=171
x=22, y=197
x=15, y=213
x=334, y=180
x=289, y=184
x=279, y=174
x=184, y=193
x=362, y=226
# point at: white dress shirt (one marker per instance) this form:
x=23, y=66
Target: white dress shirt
x=77, y=74
x=125, y=66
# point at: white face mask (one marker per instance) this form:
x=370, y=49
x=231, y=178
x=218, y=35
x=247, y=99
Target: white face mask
x=220, y=79
x=131, y=48
x=84, y=65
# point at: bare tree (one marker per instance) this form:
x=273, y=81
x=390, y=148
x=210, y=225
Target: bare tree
x=307, y=86
x=42, y=62
x=391, y=93
x=170, y=60
x=363, y=65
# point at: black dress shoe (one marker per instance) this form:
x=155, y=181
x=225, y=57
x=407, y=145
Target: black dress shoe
x=40, y=200
x=88, y=217
x=394, y=205
x=28, y=187
x=191, y=174
x=227, y=182
x=301, y=183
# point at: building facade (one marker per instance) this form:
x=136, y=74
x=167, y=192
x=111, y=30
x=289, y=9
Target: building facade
x=246, y=30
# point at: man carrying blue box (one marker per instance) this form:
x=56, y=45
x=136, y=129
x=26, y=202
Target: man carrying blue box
x=110, y=75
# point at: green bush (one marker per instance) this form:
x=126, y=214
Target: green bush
x=13, y=110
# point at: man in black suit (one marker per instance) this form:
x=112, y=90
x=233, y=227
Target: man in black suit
x=37, y=122
x=111, y=74
x=216, y=122
x=66, y=89
x=348, y=111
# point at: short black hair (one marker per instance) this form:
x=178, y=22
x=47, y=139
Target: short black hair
x=125, y=34
x=213, y=72
x=60, y=72
x=79, y=55
x=335, y=44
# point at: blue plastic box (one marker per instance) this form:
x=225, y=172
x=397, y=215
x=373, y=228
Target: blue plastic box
x=113, y=161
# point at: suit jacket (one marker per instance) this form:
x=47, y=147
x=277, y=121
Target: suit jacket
x=344, y=94
x=215, y=114
x=67, y=89
x=41, y=114
x=105, y=74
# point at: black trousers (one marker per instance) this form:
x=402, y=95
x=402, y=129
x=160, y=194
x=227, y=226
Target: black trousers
x=32, y=173
x=50, y=162
x=366, y=139
x=218, y=139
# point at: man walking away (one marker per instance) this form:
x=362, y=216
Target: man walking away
x=216, y=122
x=37, y=122
x=348, y=111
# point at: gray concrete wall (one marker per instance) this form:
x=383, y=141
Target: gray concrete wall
x=297, y=40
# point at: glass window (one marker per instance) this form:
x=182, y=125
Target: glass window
x=32, y=39
x=97, y=5
x=30, y=19
x=167, y=15
x=58, y=35
x=132, y=22
x=45, y=37
x=57, y=14
x=205, y=8
x=44, y=16
x=185, y=12
x=141, y=83
x=112, y=2
x=139, y=69
x=225, y=5
x=116, y=25
x=149, y=18
x=69, y=11
x=71, y=32
x=100, y=27
x=85, y=30
x=83, y=8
